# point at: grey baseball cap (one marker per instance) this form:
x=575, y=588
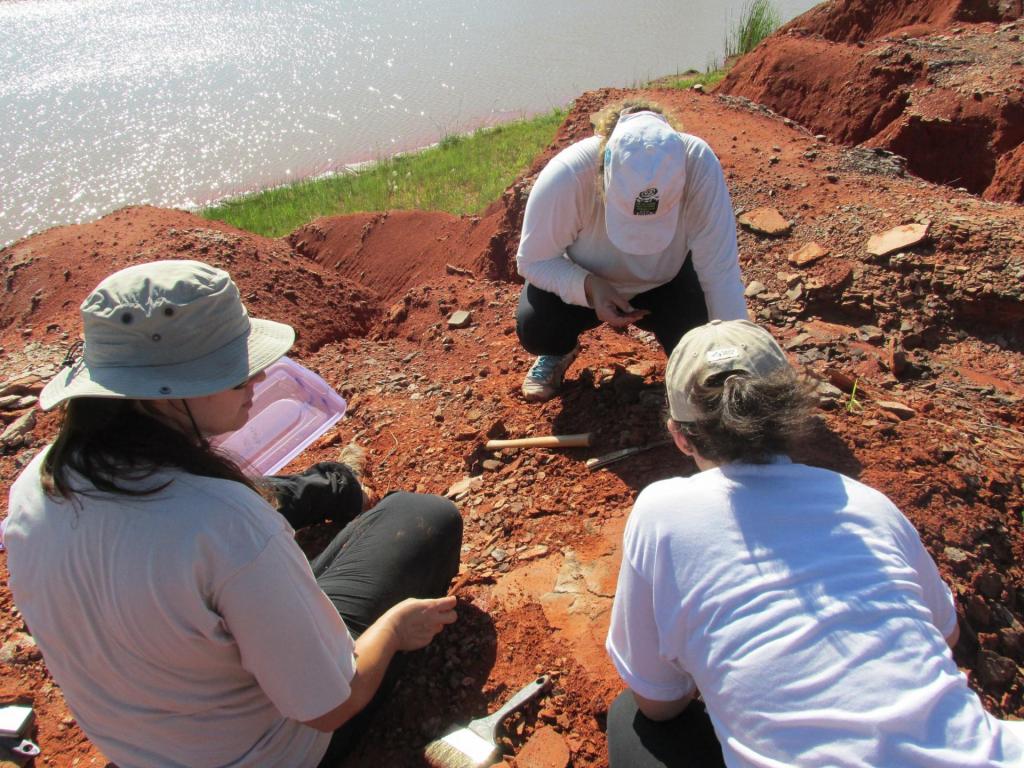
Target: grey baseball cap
x=717, y=347
x=167, y=329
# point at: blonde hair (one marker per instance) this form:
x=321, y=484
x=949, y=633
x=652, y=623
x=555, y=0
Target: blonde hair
x=604, y=123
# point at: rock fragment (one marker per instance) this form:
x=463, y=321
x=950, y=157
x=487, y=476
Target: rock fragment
x=807, y=255
x=765, y=221
x=460, y=319
x=460, y=488
x=904, y=412
x=956, y=555
x=18, y=430
x=545, y=749
x=897, y=238
x=754, y=288
x=994, y=670
x=872, y=334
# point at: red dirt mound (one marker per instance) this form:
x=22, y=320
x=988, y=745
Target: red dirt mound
x=948, y=99
x=860, y=20
x=46, y=276
x=397, y=249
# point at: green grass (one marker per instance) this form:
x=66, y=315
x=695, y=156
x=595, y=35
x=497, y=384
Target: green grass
x=758, y=19
x=687, y=80
x=461, y=175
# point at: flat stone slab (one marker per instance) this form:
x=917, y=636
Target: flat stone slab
x=897, y=239
x=765, y=221
x=460, y=319
x=904, y=412
x=807, y=255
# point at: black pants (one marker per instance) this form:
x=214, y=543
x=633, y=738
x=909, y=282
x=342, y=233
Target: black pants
x=406, y=546
x=548, y=326
x=686, y=741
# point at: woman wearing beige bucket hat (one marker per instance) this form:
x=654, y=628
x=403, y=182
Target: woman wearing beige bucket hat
x=799, y=604
x=169, y=599
x=630, y=226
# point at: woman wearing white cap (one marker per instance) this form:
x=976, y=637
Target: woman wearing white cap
x=633, y=225
x=798, y=603
x=169, y=599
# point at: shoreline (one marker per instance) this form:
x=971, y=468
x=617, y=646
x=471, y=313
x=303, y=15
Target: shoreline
x=355, y=166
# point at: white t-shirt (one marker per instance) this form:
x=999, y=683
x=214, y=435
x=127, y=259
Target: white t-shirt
x=804, y=608
x=185, y=628
x=564, y=236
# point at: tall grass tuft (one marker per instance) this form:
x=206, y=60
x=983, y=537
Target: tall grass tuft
x=758, y=19
x=460, y=175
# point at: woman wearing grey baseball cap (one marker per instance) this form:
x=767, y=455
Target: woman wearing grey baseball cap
x=170, y=601
x=630, y=226
x=798, y=604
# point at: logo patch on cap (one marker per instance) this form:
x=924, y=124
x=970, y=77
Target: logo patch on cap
x=720, y=355
x=646, y=203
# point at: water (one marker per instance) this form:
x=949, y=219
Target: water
x=106, y=103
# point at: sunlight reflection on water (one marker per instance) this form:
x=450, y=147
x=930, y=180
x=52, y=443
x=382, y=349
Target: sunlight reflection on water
x=177, y=102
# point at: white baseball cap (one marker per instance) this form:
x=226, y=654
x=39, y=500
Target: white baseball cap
x=167, y=329
x=644, y=175
x=717, y=347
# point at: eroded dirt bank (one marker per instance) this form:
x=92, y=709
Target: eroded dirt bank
x=938, y=83
x=931, y=334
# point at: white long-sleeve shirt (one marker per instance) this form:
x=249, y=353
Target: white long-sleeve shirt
x=564, y=236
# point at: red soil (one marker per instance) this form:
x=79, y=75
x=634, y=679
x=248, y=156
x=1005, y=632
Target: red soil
x=938, y=327
x=937, y=82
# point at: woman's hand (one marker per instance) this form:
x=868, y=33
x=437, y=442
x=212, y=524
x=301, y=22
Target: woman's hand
x=416, y=622
x=609, y=304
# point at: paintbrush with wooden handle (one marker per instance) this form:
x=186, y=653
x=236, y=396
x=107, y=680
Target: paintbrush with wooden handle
x=476, y=744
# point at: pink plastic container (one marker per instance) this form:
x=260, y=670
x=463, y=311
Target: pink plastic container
x=291, y=408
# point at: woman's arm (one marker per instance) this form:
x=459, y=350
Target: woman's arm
x=551, y=223
x=408, y=626
x=711, y=236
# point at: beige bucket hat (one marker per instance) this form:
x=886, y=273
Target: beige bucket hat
x=163, y=330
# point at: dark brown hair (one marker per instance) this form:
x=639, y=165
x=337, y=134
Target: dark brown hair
x=115, y=443
x=750, y=419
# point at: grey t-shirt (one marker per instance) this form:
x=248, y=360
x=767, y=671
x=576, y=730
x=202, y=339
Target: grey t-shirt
x=185, y=628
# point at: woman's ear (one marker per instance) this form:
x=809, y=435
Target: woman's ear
x=681, y=441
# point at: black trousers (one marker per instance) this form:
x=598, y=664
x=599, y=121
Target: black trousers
x=686, y=741
x=546, y=325
x=406, y=546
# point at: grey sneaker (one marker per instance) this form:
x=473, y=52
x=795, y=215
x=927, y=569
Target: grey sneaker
x=544, y=378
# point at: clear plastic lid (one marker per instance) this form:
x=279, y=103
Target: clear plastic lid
x=291, y=408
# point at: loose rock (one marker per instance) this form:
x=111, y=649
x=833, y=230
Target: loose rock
x=545, y=749
x=994, y=670
x=897, y=239
x=807, y=255
x=18, y=430
x=460, y=319
x=754, y=288
x=765, y=221
x=897, y=409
